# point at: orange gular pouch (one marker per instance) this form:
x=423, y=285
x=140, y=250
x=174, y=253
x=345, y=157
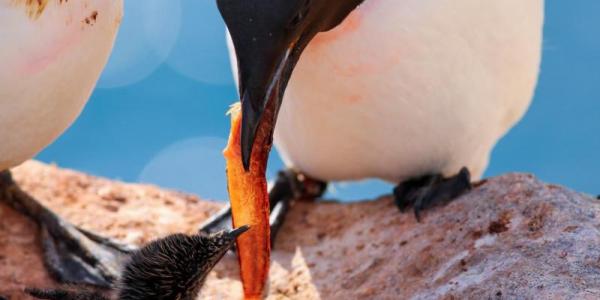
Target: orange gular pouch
x=250, y=203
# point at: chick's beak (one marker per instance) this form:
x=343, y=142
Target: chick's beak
x=234, y=233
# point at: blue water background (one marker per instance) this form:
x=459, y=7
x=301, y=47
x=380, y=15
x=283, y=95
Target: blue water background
x=158, y=113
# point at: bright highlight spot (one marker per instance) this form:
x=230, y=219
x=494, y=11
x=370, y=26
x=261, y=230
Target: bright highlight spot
x=149, y=30
x=201, y=51
x=194, y=165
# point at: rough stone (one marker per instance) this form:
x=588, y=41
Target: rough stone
x=512, y=237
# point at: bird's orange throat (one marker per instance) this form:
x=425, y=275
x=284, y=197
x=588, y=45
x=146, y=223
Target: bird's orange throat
x=250, y=202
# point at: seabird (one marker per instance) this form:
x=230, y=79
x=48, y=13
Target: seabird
x=52, y=54
x=171, y=268
x=414, y=92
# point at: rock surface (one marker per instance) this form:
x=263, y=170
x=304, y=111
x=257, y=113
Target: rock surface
x=511, y=237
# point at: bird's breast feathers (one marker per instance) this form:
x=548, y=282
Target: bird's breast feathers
x=408, y=87
x=57, y=50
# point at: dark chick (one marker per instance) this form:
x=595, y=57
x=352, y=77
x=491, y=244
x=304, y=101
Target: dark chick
x=174, y=267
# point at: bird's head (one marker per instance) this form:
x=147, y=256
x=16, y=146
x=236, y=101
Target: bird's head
x=174, y=267
x=269, y=37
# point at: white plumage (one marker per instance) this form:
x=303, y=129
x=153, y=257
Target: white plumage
x=405, y=88
x=51, y=55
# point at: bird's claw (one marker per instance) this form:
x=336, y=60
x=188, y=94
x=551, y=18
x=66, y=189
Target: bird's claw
x=71, y=254
x=431, y=190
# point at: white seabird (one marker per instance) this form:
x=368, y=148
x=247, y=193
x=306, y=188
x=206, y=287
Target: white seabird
x=51, y=55
x=415, y=92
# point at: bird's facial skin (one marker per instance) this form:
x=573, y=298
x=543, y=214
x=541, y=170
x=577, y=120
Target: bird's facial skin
x=269, y=37
x=220, y=243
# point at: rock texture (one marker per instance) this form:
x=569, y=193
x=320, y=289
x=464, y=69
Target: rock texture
x=512, y=237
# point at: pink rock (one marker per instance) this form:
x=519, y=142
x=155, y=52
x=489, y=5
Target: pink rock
x=511, y=237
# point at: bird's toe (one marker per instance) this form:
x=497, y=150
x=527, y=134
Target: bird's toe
x=432, y=190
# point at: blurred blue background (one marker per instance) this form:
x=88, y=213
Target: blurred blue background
x=158, y=113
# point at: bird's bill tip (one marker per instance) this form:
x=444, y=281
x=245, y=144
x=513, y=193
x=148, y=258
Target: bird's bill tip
x=251, y=118
x=238, y=231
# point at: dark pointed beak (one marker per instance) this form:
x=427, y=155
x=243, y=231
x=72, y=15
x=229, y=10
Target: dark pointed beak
x=269, y=37
x=234, y=233
x=272, y=77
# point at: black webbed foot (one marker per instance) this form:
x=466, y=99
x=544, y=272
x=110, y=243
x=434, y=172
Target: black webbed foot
x=288, y=186
x=431, y=190
x=71, y=254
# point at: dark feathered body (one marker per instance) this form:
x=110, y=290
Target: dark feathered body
x=171, y=268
